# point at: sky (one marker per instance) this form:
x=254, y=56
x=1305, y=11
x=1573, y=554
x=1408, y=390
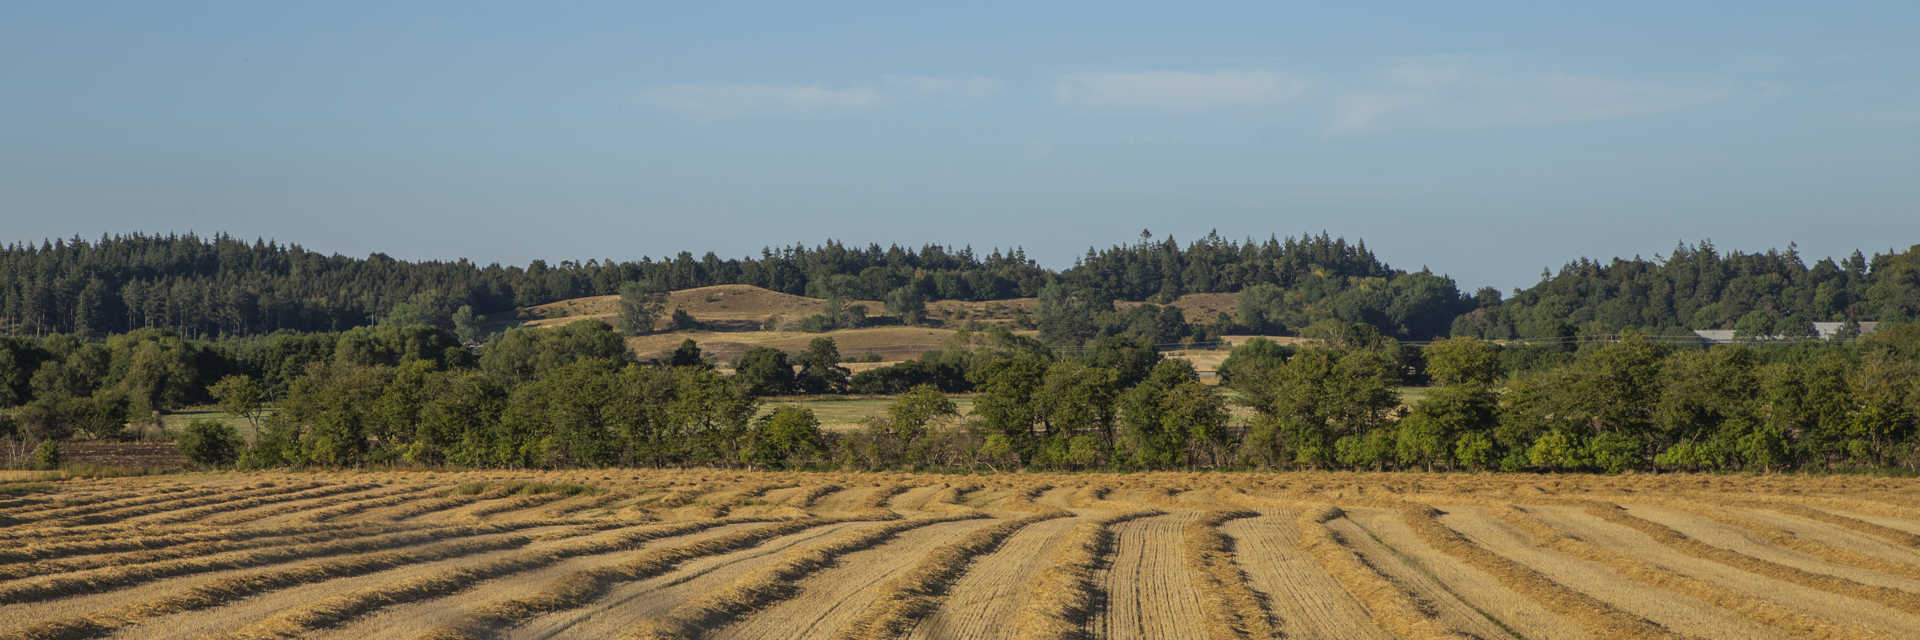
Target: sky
x=1483, y=140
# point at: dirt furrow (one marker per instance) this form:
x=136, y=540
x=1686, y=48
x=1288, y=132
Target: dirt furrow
x=777, y=584
x=492, y=609
x=1411, y=567
x=124, y=542
x=265, y=513
x=982, y=601
x=1678, y=613
x=330, y=613
x=111, y=578
x=828, y=600
x=627, y=605
x=357, y=507
x=1602, y=533
x=1784, y=550
x=157, y=513
x=1307, y=600
x=246, y=503
x=1898, y=599
x=85, y=562
x=1599, y=618
x=1797, y=623
x=910, y=595
x=74, y=618
x=1148, y=587
x=133, y=499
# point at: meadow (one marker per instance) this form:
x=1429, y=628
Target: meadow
x=740, y=554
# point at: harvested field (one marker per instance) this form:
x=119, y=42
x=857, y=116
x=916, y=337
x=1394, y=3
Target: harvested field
x=732, y=554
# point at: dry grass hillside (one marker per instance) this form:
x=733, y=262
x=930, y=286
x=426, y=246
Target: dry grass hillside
x=724, y=304
x=891, y=344
x=739, y=304
x=737, y=316
x=638, y=554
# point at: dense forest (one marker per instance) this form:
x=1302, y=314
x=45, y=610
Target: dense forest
x=222, y=286
x=1696, y=287
x=225, y=286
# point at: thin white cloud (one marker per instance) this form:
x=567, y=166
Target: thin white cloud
x=734, y=100
x=1178, y=90
x=739, y=100
x=935, y=86
x=1465, y=92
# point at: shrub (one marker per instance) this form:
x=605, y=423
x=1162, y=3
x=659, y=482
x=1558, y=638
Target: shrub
x=46, y=457
x=210, y=444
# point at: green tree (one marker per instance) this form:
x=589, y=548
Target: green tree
x=209, y=443
x=1075, y=399
x=1063, y=317
x=764, y=371
x=908, y=418
x=1263, y=309
x=240, y=396
x=1427, y=436
x=906, y=302
x=688, y=355
x=1254, y=358
x=1199, y=413
x=820, y=370
x=1755, y=325
x=1614, y=451
x=1006, y=405
x=466, y=324
x=1474, y=451
x=526, y=353
x=640, y=306
x=1463, y=360
x=102, y=415
x=1556, y=450
x=788, y=436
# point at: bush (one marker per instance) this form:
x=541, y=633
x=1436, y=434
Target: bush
x=46, y=457
x=210, y=444
x=1474, y=451
x=1556, y=450
x=1615, y=452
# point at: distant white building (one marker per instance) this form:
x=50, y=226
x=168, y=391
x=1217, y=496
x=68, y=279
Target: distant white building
x=1825, y=329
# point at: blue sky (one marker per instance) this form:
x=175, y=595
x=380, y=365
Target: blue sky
x=1483, y=140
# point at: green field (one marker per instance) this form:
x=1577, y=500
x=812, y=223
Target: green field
x=174, y=421
x=847, y=413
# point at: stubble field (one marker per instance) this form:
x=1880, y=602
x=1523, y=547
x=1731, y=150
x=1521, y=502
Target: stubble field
x=722, y=554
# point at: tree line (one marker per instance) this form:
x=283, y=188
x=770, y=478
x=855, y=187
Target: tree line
x=1696, y=287
x=1350, y=398
x=224, y=286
